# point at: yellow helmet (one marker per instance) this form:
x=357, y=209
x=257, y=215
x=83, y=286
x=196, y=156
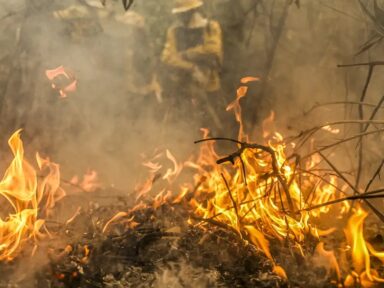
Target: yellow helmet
x=182, y=6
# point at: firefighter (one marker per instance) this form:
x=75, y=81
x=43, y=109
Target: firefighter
x=193, y=57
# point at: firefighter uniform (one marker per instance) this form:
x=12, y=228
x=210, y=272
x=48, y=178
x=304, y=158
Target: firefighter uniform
x=193, y=56
x=199, y=48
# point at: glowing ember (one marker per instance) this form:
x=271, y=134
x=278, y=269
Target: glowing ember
x=361, y=252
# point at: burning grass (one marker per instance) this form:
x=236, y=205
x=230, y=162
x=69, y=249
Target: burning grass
x=259, y=216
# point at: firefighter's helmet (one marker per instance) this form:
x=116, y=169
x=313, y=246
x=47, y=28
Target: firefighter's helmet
x=182, y=6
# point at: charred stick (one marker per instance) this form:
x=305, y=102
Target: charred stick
x=377, y=173
x=374, y=112
x=281, y=198
x=322, y=179
x=342, y=141
x=275, y=166
x=243, y=146
x=240, y=204
x=342, y=12
x=216, y=223
x=127, y=4
x=234, y=203
x=373, y=63
x=371, y=68
x=318, y=105
x=244, y=171
x=312, y=193
x=307, y=134
x=355, y=190
x=361, y=116
x=349, y=198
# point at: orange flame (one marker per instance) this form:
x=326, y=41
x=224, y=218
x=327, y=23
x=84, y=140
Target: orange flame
x=25, y=195
x=70, y=87
x=261, y=197
x=361, y=252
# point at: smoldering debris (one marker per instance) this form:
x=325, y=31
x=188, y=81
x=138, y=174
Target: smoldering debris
x=112, y=104
x=161, y=251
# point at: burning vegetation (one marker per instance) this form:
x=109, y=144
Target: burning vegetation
x=269, y=207
x=249, y=206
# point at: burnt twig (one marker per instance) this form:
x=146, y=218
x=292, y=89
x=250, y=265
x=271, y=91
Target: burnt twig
x=355, y=190
x=318, y=105
x=377, y=173
x=127, y=4
x=342, y=141
x=243, y=146
x=349, y=198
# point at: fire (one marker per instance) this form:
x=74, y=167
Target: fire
x=58, y=74
x=361, y=252
x=28, y=199
x=260, y=193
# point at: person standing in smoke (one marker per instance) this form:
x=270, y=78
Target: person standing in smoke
x=193, y=57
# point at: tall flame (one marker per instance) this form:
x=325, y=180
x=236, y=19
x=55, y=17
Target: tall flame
x=25, y=195
x=262, y=194
x=361, y=252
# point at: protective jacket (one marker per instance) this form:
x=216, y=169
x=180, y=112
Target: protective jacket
x=196, y=47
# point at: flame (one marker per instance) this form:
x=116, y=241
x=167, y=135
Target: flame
x=361, y=252
x=28, y=199
x=248, y=79
x=262, y=194
x=113, y=219
x=259, y=196
x=236, y=107
x=64, y=89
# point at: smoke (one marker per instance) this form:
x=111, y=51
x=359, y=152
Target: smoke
x=182, y=274
x=108, y=122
